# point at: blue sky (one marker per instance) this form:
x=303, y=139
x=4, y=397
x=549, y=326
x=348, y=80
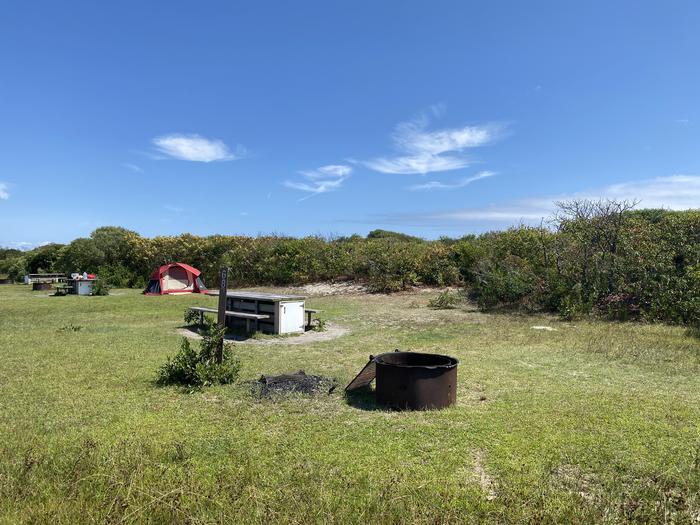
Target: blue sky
x=432, y=118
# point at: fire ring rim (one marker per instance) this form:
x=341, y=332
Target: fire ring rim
x=450, y=362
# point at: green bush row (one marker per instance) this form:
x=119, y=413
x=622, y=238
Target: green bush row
x=591, y=257
x=122, y=258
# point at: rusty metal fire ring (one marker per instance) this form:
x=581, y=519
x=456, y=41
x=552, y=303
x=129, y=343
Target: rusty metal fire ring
x=410, y=380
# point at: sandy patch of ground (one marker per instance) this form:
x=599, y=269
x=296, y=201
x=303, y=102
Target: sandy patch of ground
x=573, y=479
x=355, y=288
x=332, y=331
x=330, y=288
x=410, y=309
x=486, y=482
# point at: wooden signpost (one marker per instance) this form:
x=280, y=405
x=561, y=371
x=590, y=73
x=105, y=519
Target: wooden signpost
x=223, y=287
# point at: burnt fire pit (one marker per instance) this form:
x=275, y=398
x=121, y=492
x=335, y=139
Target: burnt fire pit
x=410, y=380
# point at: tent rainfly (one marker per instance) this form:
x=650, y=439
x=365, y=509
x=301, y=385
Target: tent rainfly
x=175, y=278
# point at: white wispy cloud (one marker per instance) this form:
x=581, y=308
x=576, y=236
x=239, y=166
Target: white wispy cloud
x=321, y=180
x=173, y=209
x=417, y=164
x=675, y=192
x=26, y=245
x=427, y=151
x=520, y=211
x=195, y=148
x=437, y=185
x=4, y=191
x=133, y=167
x=330, y=171
x=21, y=245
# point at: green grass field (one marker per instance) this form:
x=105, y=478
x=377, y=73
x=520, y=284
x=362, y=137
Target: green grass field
x=594, y=422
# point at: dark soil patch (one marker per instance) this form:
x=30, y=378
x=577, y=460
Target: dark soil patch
x=298, y=382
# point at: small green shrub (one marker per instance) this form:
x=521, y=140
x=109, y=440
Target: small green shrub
x=115, y=275
x=190, y=367
x=446, y=300
x=138, y=281
x=191, y=317
x=618, y=307
x=100, y=287
x=17, y=268
x=320, y=325
x=509, y=282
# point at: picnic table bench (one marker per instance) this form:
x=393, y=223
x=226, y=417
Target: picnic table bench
x=63, y=289
x=241, y=315
x=309, y=312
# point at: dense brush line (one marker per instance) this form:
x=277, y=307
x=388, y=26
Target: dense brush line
x=591, y=257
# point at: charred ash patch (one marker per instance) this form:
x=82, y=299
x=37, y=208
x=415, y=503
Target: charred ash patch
x=297, y=382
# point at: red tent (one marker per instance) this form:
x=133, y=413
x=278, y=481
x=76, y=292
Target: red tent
x=175, y=278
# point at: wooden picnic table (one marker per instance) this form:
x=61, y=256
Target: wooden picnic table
x=242, y=315
x=283, y=313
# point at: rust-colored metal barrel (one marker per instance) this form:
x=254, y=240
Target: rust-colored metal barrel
x=416, y=381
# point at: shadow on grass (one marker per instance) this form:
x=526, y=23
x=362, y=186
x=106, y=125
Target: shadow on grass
x=693, y=332
x=363, y=399
x=231, y=335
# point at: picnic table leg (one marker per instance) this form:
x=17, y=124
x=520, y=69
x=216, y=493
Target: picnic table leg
x=247, y=325
x=201, y=318
x=308, y=320
x=257, y=311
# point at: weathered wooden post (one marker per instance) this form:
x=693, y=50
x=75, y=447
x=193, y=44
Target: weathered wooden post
x=223, y=286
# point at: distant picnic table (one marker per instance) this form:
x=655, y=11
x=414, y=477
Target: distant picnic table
x=44, y=278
